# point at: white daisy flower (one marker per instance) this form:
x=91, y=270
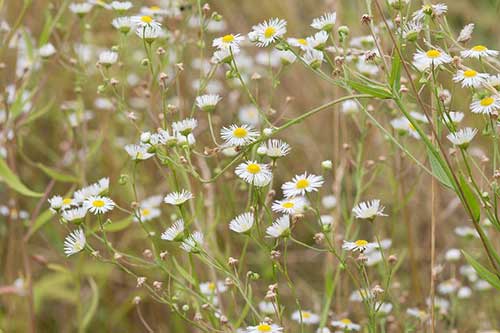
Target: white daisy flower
x=412, y=29
x=425, y=59
x=403, y=126
x=326, y=221
x=144, y=21
x=361, y=294
x=148, y=213
x=306, y=317
x=323, y=330
x=267, y=307
x=486, y=105
x=212, y=288
x=268, y=32
x=207, y=102
x=223, y=56
x=56, y=203
x=185, y=126
x=318, y=41
x=80, y=9
x=98, y=205
x=368, y=210
x=74, y=242
x=470, y=78
x=138, y=152
x=481, y=285
x=178, y=198
x=464, y=292
x=452, y=255
x=75, y=214
x=123, y=24
x=329, y=201
x=302, y=184
x=417, y=313
x=264, y=328
x=175, y=232
x=229, y=41
x=254, y=173
x=456, y=117
x=276, y=148
x=346, y=324
x=349, y=107
x=47, y=50
x=193, y=242
x=108, y=58
x=466, y=33
x=325, y=22
x=287, y=57
x=419, y=117
x=235, y=135
x=494, y=80
x=448, y=287
x=149, y=33
x=280, y=227
x=313, y=58
x=242, y=223
x=479, y=51
x=121, y=6
x=249, y=115
x=289, y=206
x=301, y=43
x=466, y=231
x=360, y=245
x=462, y=137
x=383, y=308
x=432, y=10
x=185, y=140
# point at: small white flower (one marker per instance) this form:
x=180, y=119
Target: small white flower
x=207, y=102
x=144, y=21
x=229, y=41
x=448, y=287
x=193, y=242
x=462, y=137
x=289, y=206
x=249, y=115
x=306, y=317
x=466, y=231
x=368, y=210
x=185, y=126
x=302, y=184
x=419, y=117
x=80, y=8
x=349, y=107
x=254, y=173
x=147, y=213
x=313, y=58
x=479, y=51
x=74, y=242
x=453, y=255
x=98, y=205
x=383, y=308
x=175, y=232
x=267, y=307
x=123, y=24
x=412, y=29
x=433, y=57
x=223, y=56
x=346, y=324
x=47, y=50
x=456, y=117
x=301, y=43
x=325, y=22
x=242, y=223
x=267, y=32
x=417, y=313
x=138, y=152
x=360, y=245
x=149, y=33
x=470, y=78
x=326, y=221
x=486, y=105
x=121, y=6
x=432, y=10
x=280, y=227
x=56, y=202
x=329, y=201
x=287, y=57
x=360, y=295
x=404, y=126
x=464, y=292
x=75, y=214
x=318, y=41
x=466, y=33
x=108, y=58
x=235, y=135
x=212, y=288
x=178, y=198
x=264, y=328
x=276, y=148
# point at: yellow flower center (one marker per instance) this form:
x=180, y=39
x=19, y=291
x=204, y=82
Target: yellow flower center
x=479, y=48
x=211, y=286
x=302, y=41
x=228, y=38
x=470, y=73
x=361, y=242
x=67, y=201
x=346, y=321
x=264, y=328
x=253, y=168
x=302, y=184
x=306, y=315
x=145, y=212
x=154, y=8
x=147, y=19
x=269, y=32
x=288, y=204
x=240, y=132
x=433, y=54
x=487, y=101
x=98, y=203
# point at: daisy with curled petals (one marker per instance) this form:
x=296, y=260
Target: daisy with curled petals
x=138, y=152
x=56, y=203
x=276, y=148
x=144, y=21
x=306, y=317
x=346, y=324
x=174, y=233
x=185, y=126
x=229, y=41
x=302, y=184
x=479, y=51
x=242, y=223
x=254, y=173
x=462, y=137
x=193, y=242
x=108, y=58
x=360, y=245
x=223, y=56
x=313, y=58
x=279, y=228
x=433, y=57
x=470, y=78
x=149, y=33
x=74, y=242
x=207, y=102
x=235, y=135
x=318, y=41
x=267, y=32
x=75, y=214
x=486, y=105
x=325, y=22
x=178, y=198
x=289, y=206
x=456, y=117
x=264, y=328
x=123, y=24
x=98, y=205
x=436, y=10
x=368, y=210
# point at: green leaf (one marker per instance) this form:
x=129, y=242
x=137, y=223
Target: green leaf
x=395, y=77
x=483, y=272
x=94, y=301
x=470, y=198
x=56, y=175
x=377, y=91
x=41, y=220
x=13, y=182
x=438, y=171
x=118, y=226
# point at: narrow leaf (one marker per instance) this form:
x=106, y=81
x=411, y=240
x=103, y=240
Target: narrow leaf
x=13, y=182
x=438, y=171
x=470, y=198
x=371, y=89
x=483, y=272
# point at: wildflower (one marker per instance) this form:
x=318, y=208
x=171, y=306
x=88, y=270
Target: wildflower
x=368, y=210
x=47, y=50
x=264, y=328
x=360, y=245
x=276, y=148
x=329, y=201
x=318, y=41
x=98, y=205
x=420, y=117
x=268, y=32
x=346, y=324
x=486, y=105
x=74, y=242
x=301, y=43
x=56, y=203
x=223, y=56
x=432, y=10
x=267, y=307
x=305, y=317
x=229, y=41
x=193, y=242
x=185, y=126
x=433, y=57
x=235, y=135
x=290, y=205
x=175, y=232
x=123, y=24
x=398, y=4
x=326, y=222
x=254, y=173
x=280, y=227
x=404, y=126
x=287, y=57
x=384, y=308
x=75, y=214
x=147, y=213
x=417, y=313
x=456, y=117
x=479, y=51
x=108, y=58
x=361, y=294
x=464, y=292
x=462, y=137
x=349, y=107
x=466, y=33
x=207, y=102
x=145, y=21
x=466, y=231
x=325, y=22
x=470, y=78
x=95, y=189
x=448, y=287
x=313, y=58
x=80, y=9
x=138, y=152
x=452, y=255
x=212, y=288
x=242, y=223
x=327, y=164
x=149, y=33
x=302, y=184
x=178, y=198
x=121, y=6
x=412, y=29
